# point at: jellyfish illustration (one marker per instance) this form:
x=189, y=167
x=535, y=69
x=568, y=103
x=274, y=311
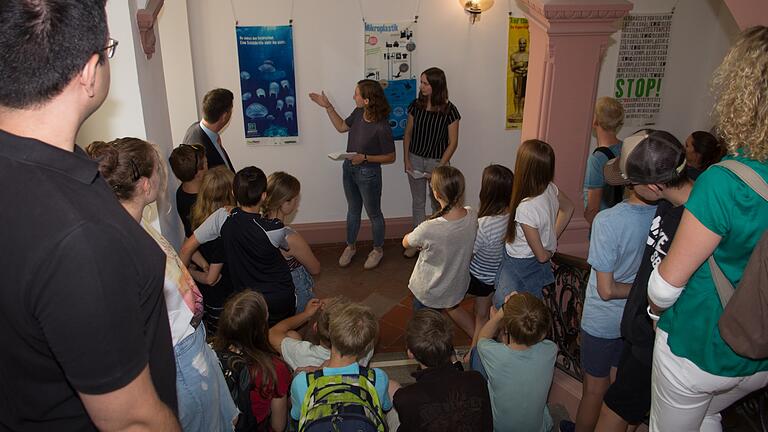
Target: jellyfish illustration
x=270, y=117
x=247, y=96
x=274, y=88
x=285, y=84
x=290, y=101
x=267, y=66
x=256, y=110
x=288, y=115
x=261, y=93
x=279, y=104
x=245, y=75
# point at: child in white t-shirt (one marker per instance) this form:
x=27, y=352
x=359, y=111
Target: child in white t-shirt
x=541, y=214
x=441, y=275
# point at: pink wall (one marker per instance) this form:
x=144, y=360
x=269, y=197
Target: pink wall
x=748, y=13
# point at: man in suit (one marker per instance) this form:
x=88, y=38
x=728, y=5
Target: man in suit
x=217, y=110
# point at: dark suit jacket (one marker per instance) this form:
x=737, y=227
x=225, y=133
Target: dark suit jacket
x=196, y=135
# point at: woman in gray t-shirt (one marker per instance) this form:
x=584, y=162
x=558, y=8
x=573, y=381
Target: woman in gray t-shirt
x=370, y=141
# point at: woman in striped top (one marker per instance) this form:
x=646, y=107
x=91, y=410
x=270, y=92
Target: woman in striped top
x=493, y=218
x=431, y=137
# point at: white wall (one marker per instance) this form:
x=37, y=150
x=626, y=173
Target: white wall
x=328, y=43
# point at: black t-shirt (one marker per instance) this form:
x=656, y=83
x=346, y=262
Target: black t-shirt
x=444, y=399
x=255, y=263
x=215, y=296
x=81, y=298
x=184, y=203
x=430, y=130
x=636, y=325
x=368, y=138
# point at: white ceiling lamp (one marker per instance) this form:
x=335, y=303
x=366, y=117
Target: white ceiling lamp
x=475, y=7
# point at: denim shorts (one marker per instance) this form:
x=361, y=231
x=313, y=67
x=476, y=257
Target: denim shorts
x=521, y=275
x=204, y=400
x=599, y=355
x=303, y=283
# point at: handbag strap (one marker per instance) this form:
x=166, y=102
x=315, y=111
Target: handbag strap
x=724, y=287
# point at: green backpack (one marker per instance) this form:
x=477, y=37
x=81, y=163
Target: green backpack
x=342, y=403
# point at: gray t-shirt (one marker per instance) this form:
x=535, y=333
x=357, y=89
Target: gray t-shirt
x=368, y=138
x=441, y=276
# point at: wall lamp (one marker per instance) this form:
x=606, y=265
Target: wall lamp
x=475, y=7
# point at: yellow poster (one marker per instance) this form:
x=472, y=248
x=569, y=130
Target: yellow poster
x=517, y=71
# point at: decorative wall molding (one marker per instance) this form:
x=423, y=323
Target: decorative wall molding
x=609, y=11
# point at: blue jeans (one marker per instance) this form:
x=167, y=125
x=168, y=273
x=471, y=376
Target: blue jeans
x=521, y=275
x=303, y=283
x=205, y=403
x=362, y=187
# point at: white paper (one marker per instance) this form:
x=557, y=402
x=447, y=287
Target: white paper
x=416, y=174
x=340, y=156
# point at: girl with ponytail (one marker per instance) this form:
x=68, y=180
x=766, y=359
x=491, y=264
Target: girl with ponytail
x=441, y=275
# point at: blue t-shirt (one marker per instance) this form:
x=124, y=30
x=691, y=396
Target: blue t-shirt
x=594, y=178
x=616, y=246
x=299, y=387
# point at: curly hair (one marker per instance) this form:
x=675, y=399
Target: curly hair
x=378, y=108
x=740, y=86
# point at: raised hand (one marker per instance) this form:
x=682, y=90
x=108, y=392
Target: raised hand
x=320, y=99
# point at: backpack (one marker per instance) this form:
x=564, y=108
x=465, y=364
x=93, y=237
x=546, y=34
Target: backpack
x=238, y=379
x=612, y=195
x=342, y=403
x=744, y=322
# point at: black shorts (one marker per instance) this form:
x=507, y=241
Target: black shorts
x=630, y=395
x=478, y=288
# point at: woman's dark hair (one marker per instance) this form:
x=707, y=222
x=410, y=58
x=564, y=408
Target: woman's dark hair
x=535, y=168
x=45, y=43
x=123, y=162
x=439, y=98
x=710, y=149
x=447, y=183
x=495, y=190
x=378, y=107
x=248, y=186
x=243, y=325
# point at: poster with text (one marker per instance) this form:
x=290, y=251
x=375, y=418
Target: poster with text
x=641, y=65
x=517, y=71
x=268, y=84
x=389, y=51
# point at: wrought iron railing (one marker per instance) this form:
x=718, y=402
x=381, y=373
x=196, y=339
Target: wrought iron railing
x=565, y=299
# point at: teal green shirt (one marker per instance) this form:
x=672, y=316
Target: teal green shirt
x=729, y=208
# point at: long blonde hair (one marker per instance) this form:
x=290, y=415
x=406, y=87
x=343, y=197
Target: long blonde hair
x=215, y=192
x=281, y=187
x=740, y=86
x=534, y=169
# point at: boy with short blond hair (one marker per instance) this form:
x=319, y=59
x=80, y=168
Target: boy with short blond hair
x=608, y=120
x=353, y=330
x=444, y=397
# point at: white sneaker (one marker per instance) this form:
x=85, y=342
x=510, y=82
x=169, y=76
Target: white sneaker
x=346, y=256
x=374, y=258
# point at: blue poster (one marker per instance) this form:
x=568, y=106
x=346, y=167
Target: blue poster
x=399, y=94
x=268, y=84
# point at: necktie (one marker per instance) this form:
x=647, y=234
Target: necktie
x=226, y=156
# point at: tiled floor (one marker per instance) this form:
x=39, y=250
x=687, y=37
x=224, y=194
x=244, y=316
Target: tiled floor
x=384, y=289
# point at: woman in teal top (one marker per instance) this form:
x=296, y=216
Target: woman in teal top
x=695, y=373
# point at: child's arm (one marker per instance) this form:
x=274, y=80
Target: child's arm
x=564, y=213
x=534, y=241
x=187, y=249
x=209, y=277
x=491, y=328
x=281, y=330
x=279, y=415
x=609, y=289
x=199, y=260
x=300, y=250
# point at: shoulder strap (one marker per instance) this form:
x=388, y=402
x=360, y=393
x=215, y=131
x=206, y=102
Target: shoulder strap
x=749, y=176
x=606, y=151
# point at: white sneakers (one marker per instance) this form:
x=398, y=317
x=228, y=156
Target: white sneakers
x=373, y=260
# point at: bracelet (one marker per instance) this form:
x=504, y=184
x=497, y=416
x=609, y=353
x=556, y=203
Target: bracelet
x=651, y=314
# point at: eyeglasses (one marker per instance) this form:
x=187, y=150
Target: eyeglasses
x=111, y=47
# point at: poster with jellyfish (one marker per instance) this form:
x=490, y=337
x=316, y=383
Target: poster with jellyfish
x=268, y=84
x=389, y=51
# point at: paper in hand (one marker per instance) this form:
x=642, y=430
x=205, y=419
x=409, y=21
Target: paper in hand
x=340, y=156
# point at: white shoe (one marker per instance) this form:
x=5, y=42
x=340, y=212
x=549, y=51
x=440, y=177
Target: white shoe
x=374, y=258
x=346, y=256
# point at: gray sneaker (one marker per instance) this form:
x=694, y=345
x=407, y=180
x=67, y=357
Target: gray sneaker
x=346, y=256
x=374, y=258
